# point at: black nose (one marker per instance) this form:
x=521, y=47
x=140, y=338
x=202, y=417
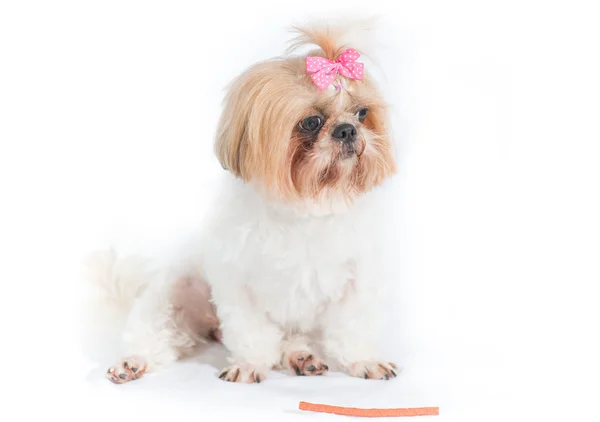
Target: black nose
x=345, y=132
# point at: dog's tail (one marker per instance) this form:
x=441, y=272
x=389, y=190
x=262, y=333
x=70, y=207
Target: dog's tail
x=113, y=283
x=117, y=281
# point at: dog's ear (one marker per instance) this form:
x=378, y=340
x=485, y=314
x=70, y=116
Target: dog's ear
x=232, y=142
x=259, y=113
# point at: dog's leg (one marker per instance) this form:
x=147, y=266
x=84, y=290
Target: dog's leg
x=253, y=340
x=351, y=332
x=151, y=339
x=297, y=356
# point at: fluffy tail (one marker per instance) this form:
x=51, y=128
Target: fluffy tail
x=113, y=284
x=118, y=281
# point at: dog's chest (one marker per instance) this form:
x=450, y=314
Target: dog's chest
x=300, y=268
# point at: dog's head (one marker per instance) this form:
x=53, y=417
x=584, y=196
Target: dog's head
x=296, y=141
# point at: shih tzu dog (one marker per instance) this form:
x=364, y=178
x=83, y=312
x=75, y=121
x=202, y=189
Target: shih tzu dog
x=288, y=258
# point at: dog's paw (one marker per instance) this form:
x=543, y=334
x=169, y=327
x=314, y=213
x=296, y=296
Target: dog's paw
x=372, y=369
x=244, y=373
x=129, y=369
x=305, y=363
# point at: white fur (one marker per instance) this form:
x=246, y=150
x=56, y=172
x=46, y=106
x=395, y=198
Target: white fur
x=277, y=269
x=277, y=273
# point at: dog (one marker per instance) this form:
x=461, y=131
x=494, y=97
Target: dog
x=289, y=259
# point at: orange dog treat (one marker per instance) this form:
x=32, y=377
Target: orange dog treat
x=369, y=413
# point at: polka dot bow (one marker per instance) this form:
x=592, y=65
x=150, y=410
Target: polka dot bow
x=323, y=71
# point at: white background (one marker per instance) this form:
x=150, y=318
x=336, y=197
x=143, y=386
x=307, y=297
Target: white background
x=107, y=113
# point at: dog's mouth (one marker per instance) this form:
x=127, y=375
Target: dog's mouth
x=348, y=151
x=352, y=149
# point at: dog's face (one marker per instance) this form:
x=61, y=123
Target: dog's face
x=297, y=142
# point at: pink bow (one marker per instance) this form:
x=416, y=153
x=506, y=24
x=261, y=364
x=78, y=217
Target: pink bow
x=323, y=71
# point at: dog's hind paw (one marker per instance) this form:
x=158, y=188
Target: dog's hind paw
x=130, y=368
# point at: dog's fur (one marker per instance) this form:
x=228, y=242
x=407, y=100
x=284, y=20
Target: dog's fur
x=288, y=256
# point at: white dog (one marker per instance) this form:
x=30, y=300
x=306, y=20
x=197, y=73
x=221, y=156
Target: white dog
x=289, y=254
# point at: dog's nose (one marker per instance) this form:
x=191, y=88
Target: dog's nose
x=345, y=132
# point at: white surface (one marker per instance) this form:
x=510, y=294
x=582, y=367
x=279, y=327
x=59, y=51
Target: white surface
x=107, y=112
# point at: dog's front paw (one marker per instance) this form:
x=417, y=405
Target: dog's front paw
x=129, y=369
x=244, y=373
x=372, y=369
x=305, y=363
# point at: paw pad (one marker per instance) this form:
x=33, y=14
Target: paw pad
x=242, y=373
x=305, y=363
x=129, y=369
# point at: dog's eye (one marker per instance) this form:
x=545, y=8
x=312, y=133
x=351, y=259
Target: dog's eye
x=362, y=113
x=311, y=124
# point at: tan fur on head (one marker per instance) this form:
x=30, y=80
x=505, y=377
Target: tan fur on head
x=259, y=138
